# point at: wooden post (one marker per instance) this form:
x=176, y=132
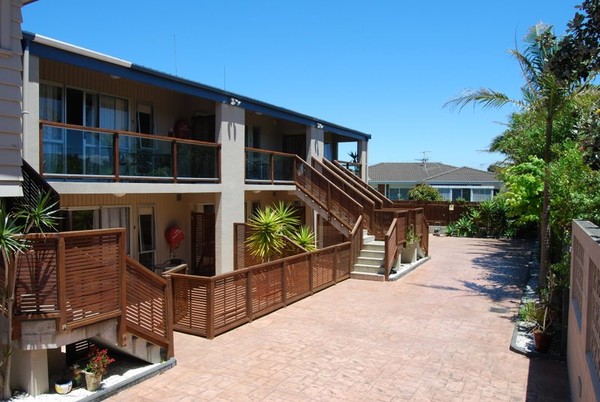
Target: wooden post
x=210, y=311
x=284, y=287
x=249, y=295
x=335, y=263
x=116, y=159
x=169, y=317
x=174, y=149
x=122, y=290
x=311, y=273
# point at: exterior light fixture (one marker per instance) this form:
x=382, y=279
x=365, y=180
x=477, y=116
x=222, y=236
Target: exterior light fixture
x=234, y=102
x=319, y=126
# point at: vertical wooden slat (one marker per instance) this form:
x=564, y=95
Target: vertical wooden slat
x=62, y=282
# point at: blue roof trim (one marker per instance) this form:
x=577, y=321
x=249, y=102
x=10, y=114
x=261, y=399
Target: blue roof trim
x=159, y=79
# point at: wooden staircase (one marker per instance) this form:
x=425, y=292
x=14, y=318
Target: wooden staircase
x=344, y=200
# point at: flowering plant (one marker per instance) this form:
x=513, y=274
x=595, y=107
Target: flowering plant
x=99, y=361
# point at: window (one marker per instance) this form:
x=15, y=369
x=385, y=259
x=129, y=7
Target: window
x=464, y=193
x=51, y=109
x=145, y=119
x=76, y=151
x=481, y=194
x=446, y=193
x=146, y=240
x=97, y=218
x=253, y=140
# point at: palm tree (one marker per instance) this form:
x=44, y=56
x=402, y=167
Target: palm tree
x=543, y=95
x=39, y=216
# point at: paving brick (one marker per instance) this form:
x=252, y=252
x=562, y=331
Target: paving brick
x=437, y=334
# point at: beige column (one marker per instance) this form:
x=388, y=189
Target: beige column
x=362, y=155
x=315, y=143
x=230, y=202
x=315, y=148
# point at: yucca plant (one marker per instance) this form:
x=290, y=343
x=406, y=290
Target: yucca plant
x=269, y=226
x=305, y=238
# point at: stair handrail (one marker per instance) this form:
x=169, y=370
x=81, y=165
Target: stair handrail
x=331, y=188
x=392, y=246
x=382, y=200
x=356, y=194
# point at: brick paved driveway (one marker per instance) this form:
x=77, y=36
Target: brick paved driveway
x=428, y=337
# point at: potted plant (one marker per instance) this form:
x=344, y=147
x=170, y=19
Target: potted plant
x=541, y=317
x=63, y=385
x=96, y=367
x=409, y=254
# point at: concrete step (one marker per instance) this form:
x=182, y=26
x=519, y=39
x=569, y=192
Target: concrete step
x=367, y=276
x=368, y=239
x=372, y=253
x=373, y=247
x=370, y=261
x=367, y=268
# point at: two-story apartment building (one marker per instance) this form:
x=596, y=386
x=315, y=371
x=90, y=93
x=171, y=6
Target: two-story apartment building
x=127, y=146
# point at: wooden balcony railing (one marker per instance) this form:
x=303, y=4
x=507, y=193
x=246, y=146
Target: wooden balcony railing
x=269, y=167
x=81, y=278
x=76, y=152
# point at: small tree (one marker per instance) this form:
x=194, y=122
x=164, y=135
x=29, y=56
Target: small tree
x=269, y=226
x=14, y=225
x=424, y=192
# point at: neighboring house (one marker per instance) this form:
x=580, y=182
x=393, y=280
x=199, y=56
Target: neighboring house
x=396, y=179
x=128, y=146
x=11, y=69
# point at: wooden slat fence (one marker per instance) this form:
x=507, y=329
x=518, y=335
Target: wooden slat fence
x=148, y=312
x=243, y=258
x=210, y=306
x=439, y=213
x=80, y=278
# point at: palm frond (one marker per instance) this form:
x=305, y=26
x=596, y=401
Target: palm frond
x=487, y=98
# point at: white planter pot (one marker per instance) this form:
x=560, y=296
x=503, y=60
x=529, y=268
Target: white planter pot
x=409, y=254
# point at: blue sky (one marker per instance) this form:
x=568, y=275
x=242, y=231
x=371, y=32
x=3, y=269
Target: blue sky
x=381, y=67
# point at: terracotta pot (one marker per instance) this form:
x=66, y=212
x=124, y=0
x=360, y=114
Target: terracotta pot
x=542, y=341
x=92, y=381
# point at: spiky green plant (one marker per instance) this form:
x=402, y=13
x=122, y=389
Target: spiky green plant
x=268, y=227
x=14, y=225
x=305, y=238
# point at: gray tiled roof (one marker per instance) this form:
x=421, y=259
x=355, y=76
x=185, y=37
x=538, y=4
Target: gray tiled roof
x=432, y=172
